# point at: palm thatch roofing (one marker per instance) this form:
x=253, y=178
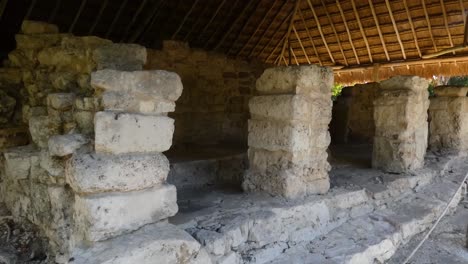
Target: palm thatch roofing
x=362, y=40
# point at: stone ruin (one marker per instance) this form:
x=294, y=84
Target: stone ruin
x=353, y=114
x=288, y=132
x=100, y=122
x=448, y=113
x=401, y=128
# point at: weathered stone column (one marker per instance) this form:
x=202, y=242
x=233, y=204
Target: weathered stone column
x=448, y=113
x=401, y=128
x=288, y=132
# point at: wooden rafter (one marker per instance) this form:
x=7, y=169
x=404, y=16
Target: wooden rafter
x=302, y=46
x=197, y=22
x=98, y=16
x=276, y=47
x=356, y=14
x=462, y=8
x=184, y=19
x=244, y=10
x=310, y=36
x=293, y=16
x=242, y=30
x=347, y=30
x=211, y=19
x=334, y=31
x=319, y=27
x=444, y=13
x=256, y=29
x=294, y=55
x=116, y=18
x=55, y=11
x=268, y=29
x=397, y=33
x=134, y=18
x=153, y=19
x=77, y=16
x=376, y=20
x=224, y=24
x=428, y=24
x=408, y=13
x=30, y=9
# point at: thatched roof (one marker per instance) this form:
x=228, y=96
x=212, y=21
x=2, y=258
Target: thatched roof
x=353, y=36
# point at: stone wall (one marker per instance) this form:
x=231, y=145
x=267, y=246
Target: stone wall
x=57, y=104
x=353, y=114
x=448, y=115
x=213, y=107
x=400, y=114
x=288, y=132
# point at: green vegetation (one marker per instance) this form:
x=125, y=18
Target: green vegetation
x=458, y=81
x=336, y=91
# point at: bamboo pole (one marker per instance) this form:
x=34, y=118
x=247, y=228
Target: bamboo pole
x=293, y=16
x=356, y=14
x=334, y=31
x=347, y=30
x=408, y=13
x=310, y=37
x=376, y=20
x=319, y=27
x=302, y=46
x=389, y=8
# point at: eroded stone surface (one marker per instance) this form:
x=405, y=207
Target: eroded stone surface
x=132, y=133
x=37, y=27
x=95, y=173
x=400, y=114
x=116, y=101
x=161, y=243
x=149, y=84
x=103, y=216
x=63, y=145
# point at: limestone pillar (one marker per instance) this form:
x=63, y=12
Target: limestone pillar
x=288, y=132
x=448, y=115
x=122, y=185
x=401, y=128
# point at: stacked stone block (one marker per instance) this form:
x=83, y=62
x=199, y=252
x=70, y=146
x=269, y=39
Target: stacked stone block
x=400, y=114
x=288, y=132
x=122, y=185
x=448, y=115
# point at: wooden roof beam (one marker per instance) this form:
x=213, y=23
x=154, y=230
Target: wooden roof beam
x=347, y=30
x=211, y=19
x=233, y=25
x=135, y=16
x=389, y=8
x=334, y=31
x=184, y=19
x=78, y=14
x=302, y=46
x=444, y=13
x=319, y=27
x=294, y=55
x=55, y=11
x=310, y=37
x=376, y=20
x=428, y=24
x=236, y=2
x=293, y=16
x=462, y=8
x=410, y=19
x=275, y=48
x=116, y=18
x=256, y=29
x=268, y=29
x=356, y=14
x=98, y=16
x=243, y=27
x=30, y=9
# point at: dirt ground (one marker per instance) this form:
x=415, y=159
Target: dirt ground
x=20, y=243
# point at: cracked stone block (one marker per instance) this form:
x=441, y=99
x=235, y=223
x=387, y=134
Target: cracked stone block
x=312, y=80
x=163, y=243
x=401, y=128
x=42, y=128
x=281, y=107
x=61, y=101
x=106, y=215
x=63, y=145
x=18, y=161
x=38, y=27
x=115, y=101
x=142, y=84
x=126, y=57
x=97, y=173
x=118, y=133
